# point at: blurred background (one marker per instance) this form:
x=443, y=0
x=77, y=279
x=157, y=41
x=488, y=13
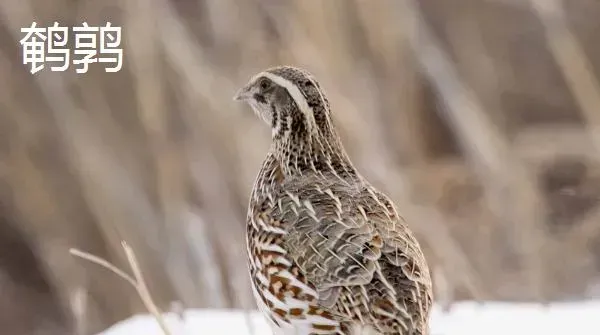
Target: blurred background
x=480, y=118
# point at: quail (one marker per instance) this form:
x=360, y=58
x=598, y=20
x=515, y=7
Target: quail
x=328, y=253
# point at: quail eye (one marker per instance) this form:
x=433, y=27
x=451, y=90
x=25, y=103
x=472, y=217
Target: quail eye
x=264, y=84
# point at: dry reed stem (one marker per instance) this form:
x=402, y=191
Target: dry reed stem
x=78, y=299
x=572, y=62
x=484, y=146
x=148, y=74
x=104, y=181
x=190, y=63
x=137, y=281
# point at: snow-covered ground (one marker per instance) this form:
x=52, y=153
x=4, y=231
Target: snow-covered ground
x=463, y=319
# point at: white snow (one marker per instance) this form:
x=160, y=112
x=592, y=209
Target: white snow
x=466, y=318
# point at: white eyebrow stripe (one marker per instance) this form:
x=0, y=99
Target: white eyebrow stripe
x=294, y=92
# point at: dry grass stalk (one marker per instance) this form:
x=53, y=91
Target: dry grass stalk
x=573, y=63
x=137, y=281
x=484, y=146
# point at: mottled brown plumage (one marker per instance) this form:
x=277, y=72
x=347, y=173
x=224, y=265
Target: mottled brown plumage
x=328, y=253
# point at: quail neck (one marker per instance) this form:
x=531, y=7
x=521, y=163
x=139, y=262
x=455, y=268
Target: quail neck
x=303, y=134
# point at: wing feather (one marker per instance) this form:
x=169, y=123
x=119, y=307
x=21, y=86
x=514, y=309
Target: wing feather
x=356, y=251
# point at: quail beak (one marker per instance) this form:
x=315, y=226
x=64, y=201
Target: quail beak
x=243, y=94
